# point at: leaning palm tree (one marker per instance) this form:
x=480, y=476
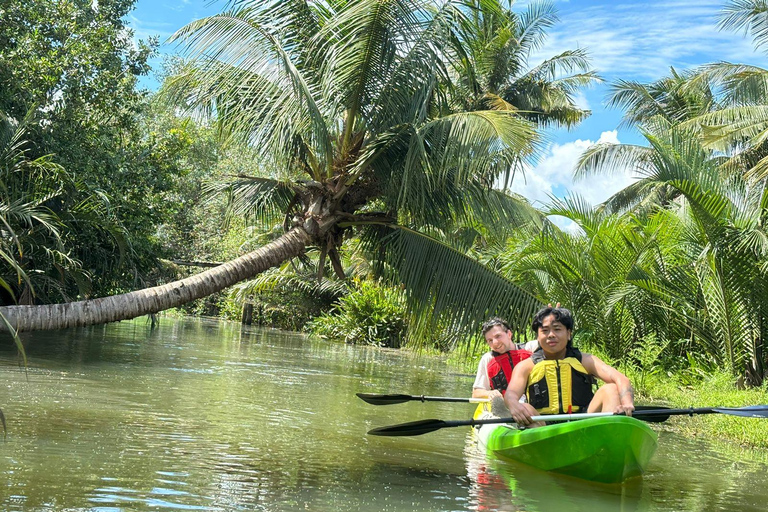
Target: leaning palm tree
x=349, y=105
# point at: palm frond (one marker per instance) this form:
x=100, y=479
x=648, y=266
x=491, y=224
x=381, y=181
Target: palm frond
x=440, y=280
x=565, y=62
x=642, y=197
x=534, y=22
x=723, y=129
x=409, y=86
x=453, y=158
x=360, y=45
x=287, y=280
x=612, y=158
x=741, y=84
x=577, y=209
x=265, y=199
x=749, y=17
x=248, y=80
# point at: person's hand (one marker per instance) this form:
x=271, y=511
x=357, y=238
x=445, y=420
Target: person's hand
x=494, y=393
x=520, y=413
x=550, y=305
x=626, y=401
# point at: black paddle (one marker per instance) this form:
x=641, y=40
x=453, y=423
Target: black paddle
x=417, y=428
x=374, y=399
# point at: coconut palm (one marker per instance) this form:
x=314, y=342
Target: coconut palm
x=495, y=71
x=350, y=106
x=738, y=126
x=674, y=99
x=716, y=289
x=654, y=109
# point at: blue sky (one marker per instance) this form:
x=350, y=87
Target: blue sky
x=625, y=39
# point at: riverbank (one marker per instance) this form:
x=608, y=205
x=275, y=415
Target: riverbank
x=712, y=391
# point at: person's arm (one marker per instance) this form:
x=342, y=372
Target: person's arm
x=610, y=375
x=516, y=389
x=485, y=393
x=482, y=386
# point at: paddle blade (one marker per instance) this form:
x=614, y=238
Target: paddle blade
x=751, y=411
x=413, y=428
x=384, y=399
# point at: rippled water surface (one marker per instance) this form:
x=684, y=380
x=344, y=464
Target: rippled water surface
x=199, y=415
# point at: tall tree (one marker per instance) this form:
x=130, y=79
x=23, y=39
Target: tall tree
x=350, y=106
x=75, y=66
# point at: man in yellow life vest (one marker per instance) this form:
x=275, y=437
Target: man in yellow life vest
x=557, y=378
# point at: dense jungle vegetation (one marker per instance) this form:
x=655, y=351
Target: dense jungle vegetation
x=388, y=132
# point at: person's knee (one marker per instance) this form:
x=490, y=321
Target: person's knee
x=606, y=398
x=608, y=389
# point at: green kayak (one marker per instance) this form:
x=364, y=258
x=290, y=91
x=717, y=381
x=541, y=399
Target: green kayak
x=606, y=449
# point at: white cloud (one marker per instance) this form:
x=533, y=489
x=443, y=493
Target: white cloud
x=552, y=176
x=580, y=100
x=145, y=29
x=641, y=40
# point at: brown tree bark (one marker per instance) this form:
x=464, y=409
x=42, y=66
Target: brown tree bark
x=159, y=298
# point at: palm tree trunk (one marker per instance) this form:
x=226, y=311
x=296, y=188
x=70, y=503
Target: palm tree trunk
x=151, y=300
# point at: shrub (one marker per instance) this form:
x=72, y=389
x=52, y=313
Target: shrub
x=372, y=314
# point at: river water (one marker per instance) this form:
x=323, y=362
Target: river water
x=200, y=415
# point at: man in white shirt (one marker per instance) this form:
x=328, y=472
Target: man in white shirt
x=494, y=371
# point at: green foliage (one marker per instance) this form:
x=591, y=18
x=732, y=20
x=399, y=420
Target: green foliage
x=41, y=204
x=647, y=360
x=372, y=314
x=73, y=66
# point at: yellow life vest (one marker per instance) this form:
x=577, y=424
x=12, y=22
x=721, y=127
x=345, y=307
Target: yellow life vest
x=555, y=385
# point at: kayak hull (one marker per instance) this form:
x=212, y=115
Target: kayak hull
x=606, y=449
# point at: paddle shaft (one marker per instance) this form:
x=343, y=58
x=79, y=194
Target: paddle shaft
x=423, y=398
x=582, y=415
x=375, y=399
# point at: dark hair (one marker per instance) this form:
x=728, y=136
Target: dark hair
x=493, y=322
x=562, y=315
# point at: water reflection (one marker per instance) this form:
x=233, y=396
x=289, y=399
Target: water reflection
x=200, y=415
x=511, y=486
